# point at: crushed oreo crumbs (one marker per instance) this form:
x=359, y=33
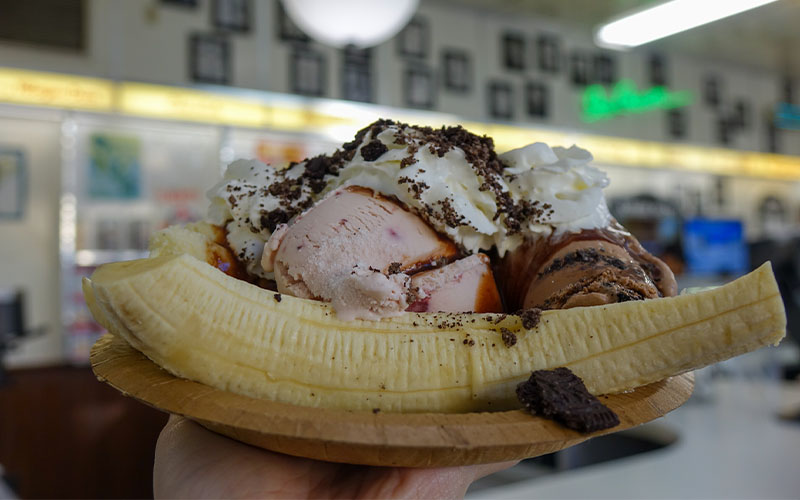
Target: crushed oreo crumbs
x=509, y=338
x=529, y=317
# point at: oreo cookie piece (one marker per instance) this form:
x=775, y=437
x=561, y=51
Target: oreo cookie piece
x=561, y=396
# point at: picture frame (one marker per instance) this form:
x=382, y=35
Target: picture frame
x=657, y=70
x=457, y=67
x=604, y=69
x=548, y=53
x=579, y=66
x=787, y=90
x=357, y=74
x=210, y=58
x=725, y=129
x=513, y=51
x=414, y=40
x=537, y=99
x=307, y=72
x=13, y=183
x=189, y=4
x=287, y=30
x=231, y=15
x=677, y=123
x=115, y=167
x=501, y=100
x=772, y=137
x=712, y=91
x=740, y=115
x=418, y=87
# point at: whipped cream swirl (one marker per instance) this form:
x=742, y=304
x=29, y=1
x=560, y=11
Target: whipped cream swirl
x=451, y=178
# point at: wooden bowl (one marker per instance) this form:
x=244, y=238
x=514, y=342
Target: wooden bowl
x=367, y=438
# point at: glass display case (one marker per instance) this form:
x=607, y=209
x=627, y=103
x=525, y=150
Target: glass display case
x=125, y=178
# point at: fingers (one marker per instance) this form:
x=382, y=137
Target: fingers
x=191, y=462
x=449, y=482
x=484, y=470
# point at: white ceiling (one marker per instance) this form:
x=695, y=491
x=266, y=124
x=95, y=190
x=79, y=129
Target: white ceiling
x=764, y=38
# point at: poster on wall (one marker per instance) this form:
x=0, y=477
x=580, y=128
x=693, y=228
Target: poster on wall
x=114, y=167
x=12, y=183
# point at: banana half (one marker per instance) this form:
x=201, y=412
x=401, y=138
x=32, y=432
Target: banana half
x=199, y=323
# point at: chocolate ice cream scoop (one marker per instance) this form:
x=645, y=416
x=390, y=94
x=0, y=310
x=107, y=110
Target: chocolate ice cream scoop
x=586, y=268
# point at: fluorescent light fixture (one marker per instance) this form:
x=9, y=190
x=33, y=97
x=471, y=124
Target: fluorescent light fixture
x=666, y=19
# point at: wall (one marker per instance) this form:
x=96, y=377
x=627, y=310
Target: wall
x=29, y=249
x=147, y=40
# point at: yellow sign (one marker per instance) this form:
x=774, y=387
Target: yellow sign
x=46, y=89
x=172, y=103
x=337, y=120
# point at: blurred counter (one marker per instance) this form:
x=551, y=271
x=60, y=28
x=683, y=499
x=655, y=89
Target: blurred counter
x=731, y=444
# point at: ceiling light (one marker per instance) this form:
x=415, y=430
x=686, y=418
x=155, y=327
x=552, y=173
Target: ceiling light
x=667, y=19
x=362, y=23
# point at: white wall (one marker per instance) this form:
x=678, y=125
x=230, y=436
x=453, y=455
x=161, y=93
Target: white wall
x=29, y=247
x=147, y=40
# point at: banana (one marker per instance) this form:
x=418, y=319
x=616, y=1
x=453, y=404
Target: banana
x=201, y=324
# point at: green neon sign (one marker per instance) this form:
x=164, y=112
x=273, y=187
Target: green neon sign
x=624, y=98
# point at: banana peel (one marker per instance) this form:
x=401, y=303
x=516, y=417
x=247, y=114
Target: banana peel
x=199, y=323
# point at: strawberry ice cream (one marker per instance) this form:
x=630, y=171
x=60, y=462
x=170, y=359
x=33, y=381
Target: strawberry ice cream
x=360, y=251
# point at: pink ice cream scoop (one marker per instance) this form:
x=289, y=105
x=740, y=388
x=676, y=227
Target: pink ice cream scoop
x=358, y=250
x=466, y=285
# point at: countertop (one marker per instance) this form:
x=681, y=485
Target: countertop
x=731, y=444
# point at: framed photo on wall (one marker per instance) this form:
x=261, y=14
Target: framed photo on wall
x=357, y=74
x=231, y=15
x=772, y=137
x=787, y=90
x=414, y=41
x=501, y=100
x=307, y=72
x=741, y=114
x=712, y=92
x=579, y=68
x=548, y=53
x=457, y=67
x=677, y=124
x=210, y=58
x=604, y=69
x=115, y=167
x=513, y=48
x=419, y=87
x=657, y=69
x=725, y=129
x=287, y=30
x=537, y=97
x=181, y=3
x=13, y=183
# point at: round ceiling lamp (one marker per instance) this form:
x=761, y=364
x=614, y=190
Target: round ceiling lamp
x=363, y=23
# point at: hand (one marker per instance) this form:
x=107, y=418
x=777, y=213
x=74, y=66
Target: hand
x=192, y=462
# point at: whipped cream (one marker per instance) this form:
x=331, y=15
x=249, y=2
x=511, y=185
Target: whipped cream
x=563, y=179
x=243, y=201
x=449, y=177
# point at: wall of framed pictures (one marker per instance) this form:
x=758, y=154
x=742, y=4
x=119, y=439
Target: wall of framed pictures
x=469, y=62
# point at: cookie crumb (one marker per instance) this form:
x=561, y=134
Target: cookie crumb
x=529, y=317
x=560, y=395
x=509, y=338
